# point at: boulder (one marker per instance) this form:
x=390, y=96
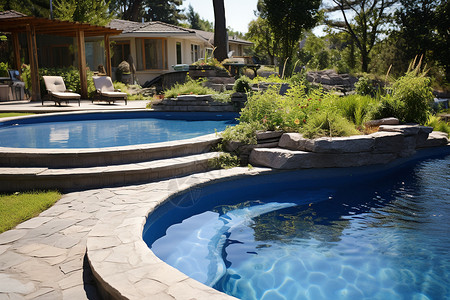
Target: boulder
x=385, y=121
x=387, y=142
x=404, y=129
x=435, y=139
x=292, y=141
x=350, y=144
x=267, y=135
x=284, y=159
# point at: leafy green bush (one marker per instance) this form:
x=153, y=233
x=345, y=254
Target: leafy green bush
x=71, y=77
x=387, y=107
x=244, y=132
x=4, y=69
x=364, y=87
x=438, y=124
x=243, y=85
x=329, y=124
x=356, y=108
x=225, y=161
x=191, y=86
x=414, y=92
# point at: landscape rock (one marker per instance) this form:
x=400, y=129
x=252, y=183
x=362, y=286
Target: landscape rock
x=350, y=144
x=435, y=139
x=266, y=135
x=404, y=129
x=385, y=121
x=292, y=141
x=387, y=142
x=284, y=159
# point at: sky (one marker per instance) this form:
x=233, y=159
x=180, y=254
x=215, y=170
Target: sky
x=238, y=13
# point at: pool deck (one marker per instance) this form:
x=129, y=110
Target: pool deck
x=45, y=257
x=26, y=106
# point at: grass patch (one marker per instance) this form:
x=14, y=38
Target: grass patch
x=19, y=207
x=13, y=114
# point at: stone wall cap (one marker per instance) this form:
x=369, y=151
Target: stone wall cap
x=404, y=129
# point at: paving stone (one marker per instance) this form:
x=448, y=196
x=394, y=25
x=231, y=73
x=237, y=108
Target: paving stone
x=48, y=251
x=45, y=294
x=10, y=284
x=39, y=270
x=76, y=292
x=70, y=281
x=3, y=248
x=72, y=265
x=11, y=236
x=10, y=259
x=33, y=223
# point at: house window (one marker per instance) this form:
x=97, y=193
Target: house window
x=152, y=54
x=209, y=52
x=195, y=52
x=121, y=52
x=179, y=59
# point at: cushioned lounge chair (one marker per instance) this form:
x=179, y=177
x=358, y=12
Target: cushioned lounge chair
x=57, y=91
x=106, y=92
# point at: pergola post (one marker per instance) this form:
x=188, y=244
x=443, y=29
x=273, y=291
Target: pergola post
x=108, y=55
x=82, y=63
x=16, y=46
x=34, y=69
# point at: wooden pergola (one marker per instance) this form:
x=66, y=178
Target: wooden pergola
x=14, y=22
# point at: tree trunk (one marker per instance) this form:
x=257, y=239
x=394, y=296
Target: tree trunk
x=220, y=31
x=133, y=11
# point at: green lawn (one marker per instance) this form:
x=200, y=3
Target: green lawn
x=13, y=114
x=18, y=207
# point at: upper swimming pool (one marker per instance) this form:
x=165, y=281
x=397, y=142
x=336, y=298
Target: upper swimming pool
x=109, y=129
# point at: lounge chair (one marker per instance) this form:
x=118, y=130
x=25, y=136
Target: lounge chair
x=106, y=92
x=57, y=90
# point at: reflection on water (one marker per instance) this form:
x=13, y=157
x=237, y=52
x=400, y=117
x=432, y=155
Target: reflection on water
x=380, y=237
x=105, y=133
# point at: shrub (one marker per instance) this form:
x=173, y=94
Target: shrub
x=71, y=77
x=225, y=161
x=438, y=124
x=243, y=85
x=244, y=132
x=328, y=124
x=386, y=108
x=191, y=86
x=4, y=69
x=364, y=87
x=356, y=108
x=414, y=92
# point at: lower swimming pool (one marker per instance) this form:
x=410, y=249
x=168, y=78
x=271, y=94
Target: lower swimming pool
x=109, y=129
x=327, y=235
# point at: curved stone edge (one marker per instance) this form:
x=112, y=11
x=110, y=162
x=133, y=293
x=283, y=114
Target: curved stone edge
x=84, y=157
x=123, y=265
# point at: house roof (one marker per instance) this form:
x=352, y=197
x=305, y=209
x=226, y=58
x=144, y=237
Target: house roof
x=154, y=27
x=160, y=28
x=209, y=37
x=13, y=21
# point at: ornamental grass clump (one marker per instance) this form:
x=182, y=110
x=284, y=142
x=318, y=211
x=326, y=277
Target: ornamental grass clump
x=190, y=87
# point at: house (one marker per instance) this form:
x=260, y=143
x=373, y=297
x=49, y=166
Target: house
x=156, y=46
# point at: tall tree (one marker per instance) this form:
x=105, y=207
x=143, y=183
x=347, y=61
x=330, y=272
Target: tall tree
x=166, y=11
x=366, y=25
x=424, y=28
x=288, y=19
x=37, y=8
x=193, y=18
x=85, y=11
x=263, y=39
x=220, y=31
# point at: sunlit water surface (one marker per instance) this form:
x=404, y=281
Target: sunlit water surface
x=380, y=236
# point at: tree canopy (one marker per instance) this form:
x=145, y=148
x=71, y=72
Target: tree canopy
x=288, y=19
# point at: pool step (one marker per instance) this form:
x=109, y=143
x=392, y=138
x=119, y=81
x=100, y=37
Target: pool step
x=78, y=158
x=14, y=179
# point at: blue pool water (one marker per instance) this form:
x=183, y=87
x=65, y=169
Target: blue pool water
x=98, y=130
x=342, y=234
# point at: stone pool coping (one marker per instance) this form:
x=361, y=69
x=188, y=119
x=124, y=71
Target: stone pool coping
x=123, y=265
